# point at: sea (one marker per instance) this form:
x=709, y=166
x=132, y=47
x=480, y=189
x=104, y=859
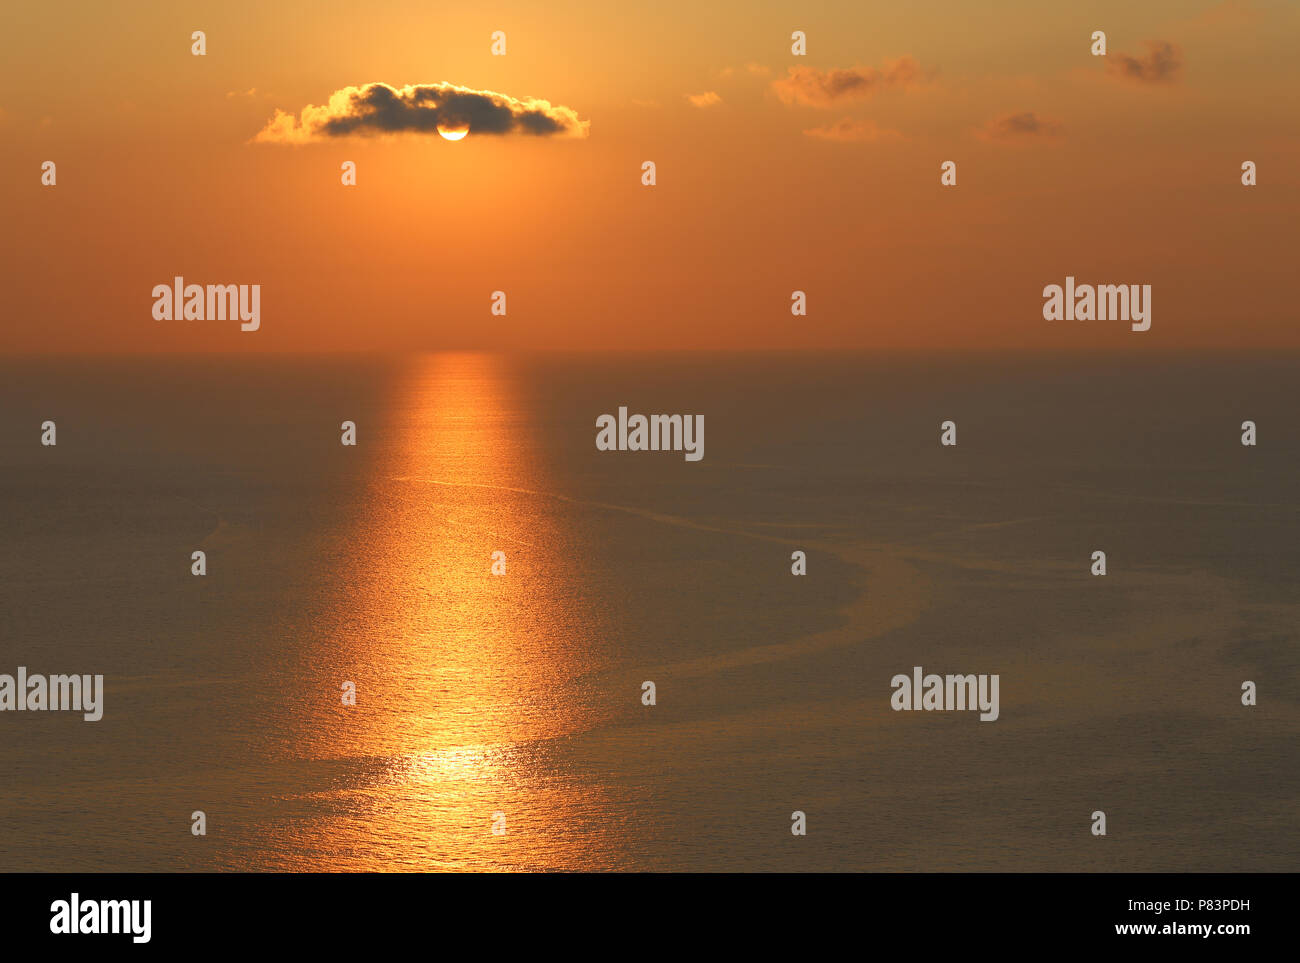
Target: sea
x=497, y=593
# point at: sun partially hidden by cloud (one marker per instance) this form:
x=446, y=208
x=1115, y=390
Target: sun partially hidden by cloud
x=1161, y=65
x=826, y=88
x=709, y=98
x=852, y=131
x=422, y=109
x=1019, y=127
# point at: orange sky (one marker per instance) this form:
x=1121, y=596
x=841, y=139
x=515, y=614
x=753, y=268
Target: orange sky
x=1126, y=180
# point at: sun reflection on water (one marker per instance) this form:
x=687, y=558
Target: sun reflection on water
x=460, y=694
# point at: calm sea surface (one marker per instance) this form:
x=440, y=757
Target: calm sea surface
x=521, y=694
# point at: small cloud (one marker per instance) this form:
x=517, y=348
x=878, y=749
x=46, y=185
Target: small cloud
x=1161, y=64
x=709, y=98
x=420, y=108
x=826, y=88
x=852, y=131
x=250, y=92
x=1022, y=126
x=753, y=69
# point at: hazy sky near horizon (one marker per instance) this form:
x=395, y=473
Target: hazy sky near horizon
x=1116, y=169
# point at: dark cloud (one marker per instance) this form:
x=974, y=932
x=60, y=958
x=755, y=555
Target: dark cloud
x=1161, y=64
x=1024, y=125
x=420, y=108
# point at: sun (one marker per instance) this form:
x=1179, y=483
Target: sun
x=453, y=131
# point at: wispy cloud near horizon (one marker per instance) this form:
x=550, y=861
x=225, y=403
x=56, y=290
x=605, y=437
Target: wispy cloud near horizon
x=850, y=131
x=826, y=88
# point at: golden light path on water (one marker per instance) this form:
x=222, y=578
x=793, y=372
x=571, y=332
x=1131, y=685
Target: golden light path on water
x=465, y=679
